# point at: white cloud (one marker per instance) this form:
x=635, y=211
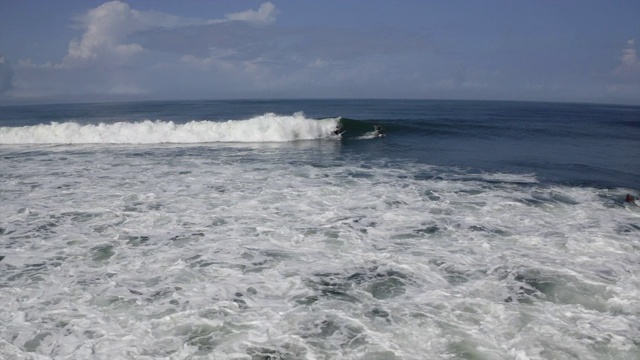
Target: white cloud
x=122, y=51
x=108, y=27
x=266, y=14
x=629, y=63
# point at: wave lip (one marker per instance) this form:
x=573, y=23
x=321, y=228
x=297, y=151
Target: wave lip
x=269, y=127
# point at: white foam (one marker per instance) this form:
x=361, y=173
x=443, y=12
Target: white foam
x=160, y=252
x=265, y=128
x=369, y=135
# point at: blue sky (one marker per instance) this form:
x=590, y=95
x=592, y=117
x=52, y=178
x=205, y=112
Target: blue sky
x=86, y=50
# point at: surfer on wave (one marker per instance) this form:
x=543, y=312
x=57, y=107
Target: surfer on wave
x=377, y=131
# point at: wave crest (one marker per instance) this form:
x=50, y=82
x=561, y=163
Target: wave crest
x=265, y=128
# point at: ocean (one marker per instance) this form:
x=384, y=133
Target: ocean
x=246, y=230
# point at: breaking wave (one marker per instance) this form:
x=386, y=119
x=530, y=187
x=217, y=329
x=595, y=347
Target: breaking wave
x=269, y=127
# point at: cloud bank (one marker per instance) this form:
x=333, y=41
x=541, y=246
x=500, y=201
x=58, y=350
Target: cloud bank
x=122, y=53
x=130, y=52
x=108, y=27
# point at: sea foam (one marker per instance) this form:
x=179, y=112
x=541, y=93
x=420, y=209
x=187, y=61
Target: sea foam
x=269, y=127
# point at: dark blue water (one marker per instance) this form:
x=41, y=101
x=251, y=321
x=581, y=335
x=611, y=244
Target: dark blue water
x=589, y=144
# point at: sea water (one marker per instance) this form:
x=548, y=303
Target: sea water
x=245, y=230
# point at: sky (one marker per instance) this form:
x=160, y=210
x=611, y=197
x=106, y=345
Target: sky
x=543, y=50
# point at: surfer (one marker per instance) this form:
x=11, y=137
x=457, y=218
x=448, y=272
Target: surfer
x=377, y=130
x=338, y=130
x=630, y=198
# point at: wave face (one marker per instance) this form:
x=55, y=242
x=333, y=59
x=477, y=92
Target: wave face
x=269, y=127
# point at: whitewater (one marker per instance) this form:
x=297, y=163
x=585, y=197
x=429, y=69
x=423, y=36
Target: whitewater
x=265, y=237
x=266, y=128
